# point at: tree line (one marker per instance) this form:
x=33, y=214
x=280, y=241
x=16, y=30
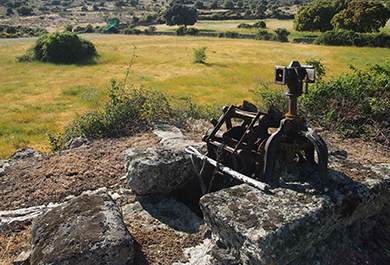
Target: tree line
x=355, y=15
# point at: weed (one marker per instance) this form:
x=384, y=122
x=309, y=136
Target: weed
x=129, y=109
x=199, y=55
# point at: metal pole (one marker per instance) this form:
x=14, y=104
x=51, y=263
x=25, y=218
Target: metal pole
x=252, y=182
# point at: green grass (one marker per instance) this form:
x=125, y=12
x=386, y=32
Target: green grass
x=39, y=97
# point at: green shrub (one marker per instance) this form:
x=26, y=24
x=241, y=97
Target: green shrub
x=229, y=34
x=199, y=55
x=260, y=24
x=130, y=109
x=263, y=34
x=319, y=67
x=269, y=96
x=68, y=27
x=244, y=26
x=281, y=34
x=183, y=30
x=61, y=48
x=351, y=38
x=131, y=31
x=192, y=31
x=354, y=105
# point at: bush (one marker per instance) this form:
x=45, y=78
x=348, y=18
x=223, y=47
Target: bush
x=281, y=34
x=87, y=29
x=183, y=30
x=24, y=10
x=244, y=26
x=351, y=38
x=200, y=55
x=61, y=48
x=263, y=34
x=68, y=27
x=318, y=66
x=260, y=24
x=130, y=109
x=229, y=34
x=131, y=31
x=355, y=104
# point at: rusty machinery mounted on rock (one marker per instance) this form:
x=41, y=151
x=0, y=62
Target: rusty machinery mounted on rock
x=251, y=153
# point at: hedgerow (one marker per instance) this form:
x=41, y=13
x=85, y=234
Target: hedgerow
x=351, y=38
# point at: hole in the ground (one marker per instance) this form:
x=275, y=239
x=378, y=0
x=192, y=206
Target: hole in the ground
x=191, y=193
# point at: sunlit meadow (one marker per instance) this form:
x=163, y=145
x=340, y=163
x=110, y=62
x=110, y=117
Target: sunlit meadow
x=40, y=97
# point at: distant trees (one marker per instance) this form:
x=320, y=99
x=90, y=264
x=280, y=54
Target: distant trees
x=199, y=5
x=315, y=16
x=362, y=16
x=228, y=4
x=178, y=14
x=356, y=15
x=281, y=34
x=214, y=5
x=24, y=10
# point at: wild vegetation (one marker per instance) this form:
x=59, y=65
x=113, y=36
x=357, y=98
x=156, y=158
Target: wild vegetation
x=355, y=104
x=258, y=22
x=35, y=102
x=359, y=16
x=60, y=48
x=130, y=110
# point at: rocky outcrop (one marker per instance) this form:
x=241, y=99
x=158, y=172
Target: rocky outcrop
x=76, y=142
x=3, y=165
x=88, y=229
x=16, y=218
x=286, y=224
x=163, y=168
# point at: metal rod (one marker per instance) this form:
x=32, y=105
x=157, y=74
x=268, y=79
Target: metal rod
x=252, y=182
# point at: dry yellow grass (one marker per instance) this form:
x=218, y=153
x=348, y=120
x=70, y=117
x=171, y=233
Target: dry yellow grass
x=33, y=98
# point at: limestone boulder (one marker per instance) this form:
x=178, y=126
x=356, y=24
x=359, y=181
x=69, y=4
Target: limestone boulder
x=77, y=142
x=285, y=225
x=26, y=152
x=14, y=219
x=3, y=165
x=164, y=168
x=88, y=229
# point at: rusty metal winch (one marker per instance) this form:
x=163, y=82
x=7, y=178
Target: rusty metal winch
x=264, y=147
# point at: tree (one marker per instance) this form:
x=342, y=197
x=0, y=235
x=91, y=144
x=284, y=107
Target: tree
x=260, y=24
x=214, y=5
x=260, y=9
x=178, y=14
x=281, y=34
x=228, y=4
x=9, y=11
x=199, y=5
x=24, y=10
x=315, y=16
x=362, y=16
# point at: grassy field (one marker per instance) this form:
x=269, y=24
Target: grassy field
x=38, y=97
